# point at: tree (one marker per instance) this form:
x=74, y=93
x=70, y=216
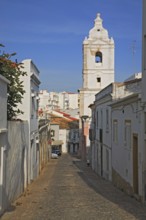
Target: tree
x=12, y=71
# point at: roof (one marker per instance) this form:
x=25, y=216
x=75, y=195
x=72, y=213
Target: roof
x=130, y=82
x=67, y=115
x=127, y=100
x=64, y=122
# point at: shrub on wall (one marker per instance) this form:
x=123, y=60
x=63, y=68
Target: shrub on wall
x=12, y=71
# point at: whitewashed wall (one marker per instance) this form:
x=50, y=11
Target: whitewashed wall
x=3, y=139
x=29, y=106
x=122, y=155
x=16, y=160
x=144, y=52
x=3, y=102
x=63, y=133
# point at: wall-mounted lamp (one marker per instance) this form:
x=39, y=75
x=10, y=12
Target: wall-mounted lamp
x=84, y=117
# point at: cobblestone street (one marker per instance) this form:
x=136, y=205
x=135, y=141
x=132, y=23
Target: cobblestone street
x=68, y=189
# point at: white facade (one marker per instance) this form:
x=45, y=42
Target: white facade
x=30, y=108
x=54, y=129
x=68, y=100
x=16, y=163
x=100, y=129
x=128, y=154
x=53, y=101
x=73, y=141
x=58, y=138
x=126, y=104
x=98, y=64
x=134, y=76
x=144, y=92
x=118, y=143
x=3, y=138
x=144, y=53
x=72, y=112
x=48, y=100
x=127, y=145
x=61, y=100
x=97, y=73
x=63, y=135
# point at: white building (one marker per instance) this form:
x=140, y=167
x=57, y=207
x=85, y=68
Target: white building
x=144, y=52
x=73, y=141
x=98, y=64
x=117, y=136
x=144, y=90
x=122, y=151
x=134, y=76
x=68, y=100
x=63, y=135
x=3, y=139
x=100, y=131
x=56, y=138
x=55, y=100
x=98, y=71
x=30, y=108
x=48, y=100
x=128, y=158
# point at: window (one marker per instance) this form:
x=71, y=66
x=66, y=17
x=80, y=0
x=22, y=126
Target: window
x=98, y=57
x=52, y=133
x=107, y=119
x=101, y=135
x=107, y=160
x=115, y=131
x=98, y=79
x=101, y=119
x=144, y=52
x=127, y=134
x=97, y=119
x=145, y=122
x=32, y=107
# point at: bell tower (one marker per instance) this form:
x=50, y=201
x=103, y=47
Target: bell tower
x=98, y=64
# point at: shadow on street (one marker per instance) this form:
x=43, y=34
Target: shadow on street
x=107, y=190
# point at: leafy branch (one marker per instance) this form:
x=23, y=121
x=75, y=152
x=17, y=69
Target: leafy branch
x=12, y=71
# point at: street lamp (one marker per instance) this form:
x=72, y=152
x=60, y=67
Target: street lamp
x=85, y=132
x=84, y=118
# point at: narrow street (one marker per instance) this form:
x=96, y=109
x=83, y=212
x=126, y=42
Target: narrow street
x=68, y=189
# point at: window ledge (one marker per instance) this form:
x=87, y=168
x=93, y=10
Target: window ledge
x=3, y=130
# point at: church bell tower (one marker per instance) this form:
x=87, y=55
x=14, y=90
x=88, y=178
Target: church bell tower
x=98, y=64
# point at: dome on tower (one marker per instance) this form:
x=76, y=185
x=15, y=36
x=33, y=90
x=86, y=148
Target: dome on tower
x=98, y=32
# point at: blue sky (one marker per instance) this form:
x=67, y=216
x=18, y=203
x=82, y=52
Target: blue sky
x=51, y=32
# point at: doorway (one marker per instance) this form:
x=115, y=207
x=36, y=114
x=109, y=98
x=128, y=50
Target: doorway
x=135, y=163
x=1, y=173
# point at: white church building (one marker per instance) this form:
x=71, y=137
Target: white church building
x=118, y=131
x=97, y=73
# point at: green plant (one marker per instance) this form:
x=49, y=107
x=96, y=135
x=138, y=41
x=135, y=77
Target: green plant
x=12, y=71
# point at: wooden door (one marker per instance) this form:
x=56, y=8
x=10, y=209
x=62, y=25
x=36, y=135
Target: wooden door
x=135, y=164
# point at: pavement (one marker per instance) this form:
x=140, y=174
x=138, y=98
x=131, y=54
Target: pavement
x=68, y=189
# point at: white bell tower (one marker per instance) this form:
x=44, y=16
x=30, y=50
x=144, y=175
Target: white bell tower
x=98, y=64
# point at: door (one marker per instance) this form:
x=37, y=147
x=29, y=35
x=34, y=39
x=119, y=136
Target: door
x=1, y=173
x=2, y=169
x=135, y=163
x=101, y=150
x=73, y=148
